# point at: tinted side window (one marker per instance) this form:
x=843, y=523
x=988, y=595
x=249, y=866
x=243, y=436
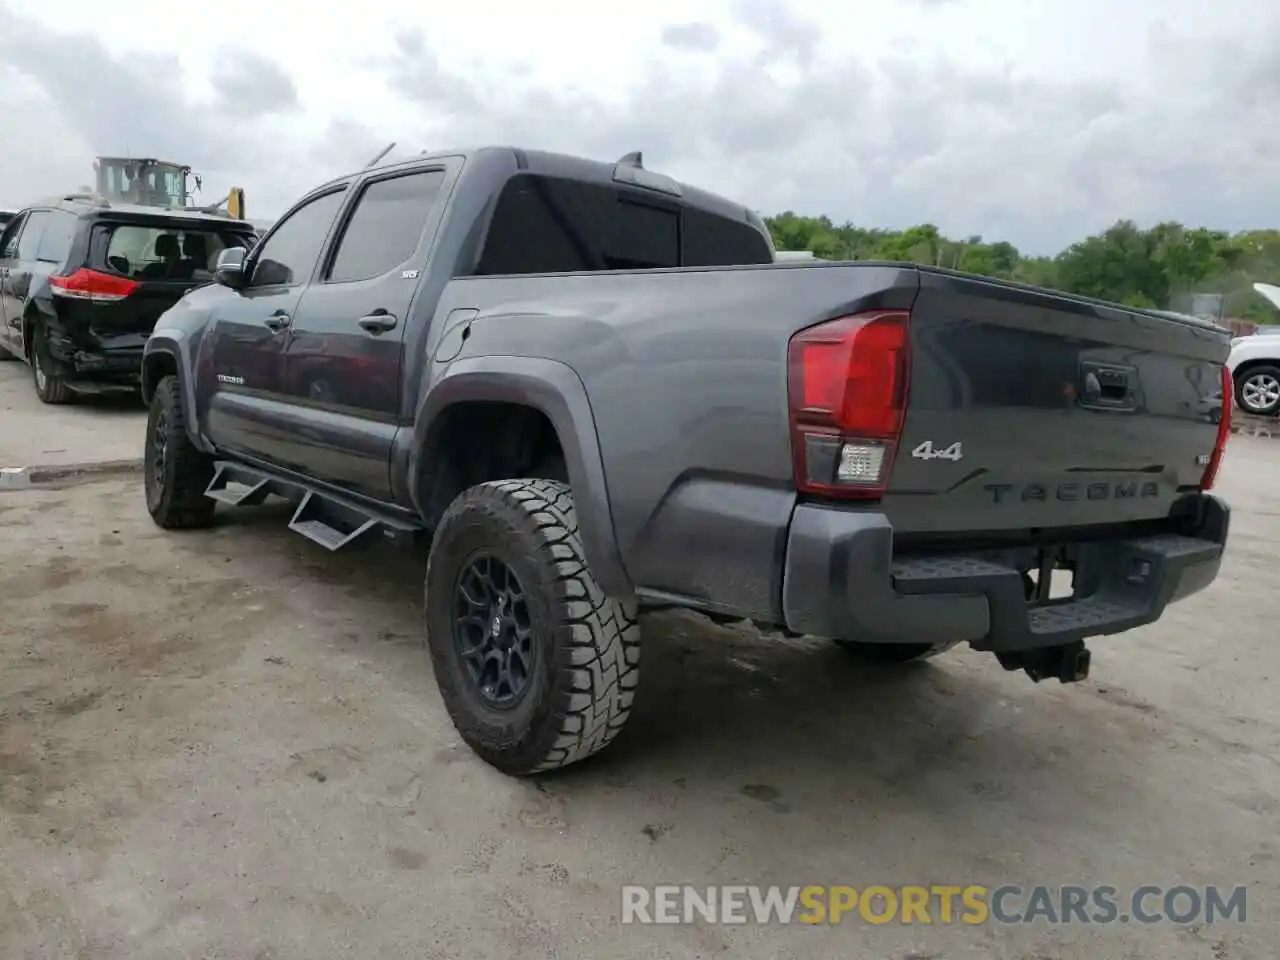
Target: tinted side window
x=29, y=242
x=712, y=241
x=9, y=239
x=59, y=232
x=385, y=227
x=289, y=255
x=550, y=225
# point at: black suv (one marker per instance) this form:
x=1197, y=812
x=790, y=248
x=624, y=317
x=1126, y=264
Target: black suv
x=83, y=281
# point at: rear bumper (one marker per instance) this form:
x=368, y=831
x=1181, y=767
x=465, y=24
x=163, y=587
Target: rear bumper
x=841, y=580
x=86, y=356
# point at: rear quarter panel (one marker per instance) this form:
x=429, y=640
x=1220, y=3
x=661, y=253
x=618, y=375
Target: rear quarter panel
x=685, y=371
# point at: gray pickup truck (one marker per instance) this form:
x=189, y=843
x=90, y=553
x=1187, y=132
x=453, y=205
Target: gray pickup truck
x=591, y=391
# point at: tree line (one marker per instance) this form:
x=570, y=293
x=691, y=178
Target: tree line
x=1156, y=268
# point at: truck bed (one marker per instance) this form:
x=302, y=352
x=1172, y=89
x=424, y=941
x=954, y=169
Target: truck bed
x=687, y=375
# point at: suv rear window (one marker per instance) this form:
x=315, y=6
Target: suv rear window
x=552, y=225
x=163, y=251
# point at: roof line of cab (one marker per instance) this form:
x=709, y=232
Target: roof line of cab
x=549, y=163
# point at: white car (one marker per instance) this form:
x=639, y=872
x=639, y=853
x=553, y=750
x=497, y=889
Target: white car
x=1255, y=364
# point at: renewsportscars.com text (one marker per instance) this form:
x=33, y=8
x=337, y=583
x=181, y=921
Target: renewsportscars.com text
x=932, y=904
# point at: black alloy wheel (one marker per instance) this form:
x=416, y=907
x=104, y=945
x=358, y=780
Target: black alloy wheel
x=493, y=632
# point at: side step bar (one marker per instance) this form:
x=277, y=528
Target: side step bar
x=322, y=518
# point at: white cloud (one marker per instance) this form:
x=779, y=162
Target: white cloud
x=1038, y=122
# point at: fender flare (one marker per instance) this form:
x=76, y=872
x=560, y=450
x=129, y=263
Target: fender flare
x=554, y=389
x=173, y=343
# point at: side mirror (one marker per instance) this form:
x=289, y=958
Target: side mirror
x=230, y=268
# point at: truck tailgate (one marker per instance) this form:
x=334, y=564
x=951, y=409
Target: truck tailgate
x=1030, y=409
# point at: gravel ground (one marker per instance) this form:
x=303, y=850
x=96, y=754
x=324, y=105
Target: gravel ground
x=87, y=432
x=228, y=744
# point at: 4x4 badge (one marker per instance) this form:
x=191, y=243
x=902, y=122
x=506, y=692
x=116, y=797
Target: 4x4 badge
x=927, y=451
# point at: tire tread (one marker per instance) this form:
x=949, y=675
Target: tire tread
x=184, y=505
x=599, y=683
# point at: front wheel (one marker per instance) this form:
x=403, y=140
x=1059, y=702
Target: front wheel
x=1258, y=390
x=175, y=472
x=536, y=665
x=890, y=653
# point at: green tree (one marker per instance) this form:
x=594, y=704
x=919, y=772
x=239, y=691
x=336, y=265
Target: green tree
x=1157, y=267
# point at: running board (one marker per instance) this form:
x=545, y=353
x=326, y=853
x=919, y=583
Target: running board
x=322, y=518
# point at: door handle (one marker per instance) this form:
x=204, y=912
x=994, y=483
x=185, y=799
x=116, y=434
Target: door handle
x=377, y=322
x=277, y=321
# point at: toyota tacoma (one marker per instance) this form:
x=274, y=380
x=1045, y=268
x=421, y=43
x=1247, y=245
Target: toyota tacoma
x=590, y=391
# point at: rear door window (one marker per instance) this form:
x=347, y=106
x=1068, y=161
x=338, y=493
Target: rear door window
x=386, y=226
x=29, y=241
x=162, y=251
x=59, y=233
x=552, y=225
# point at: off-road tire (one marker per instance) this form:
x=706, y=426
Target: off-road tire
x=583, y=680
x=893, y=653
x=54, y=389
x=1250, y=373
x=175, y=488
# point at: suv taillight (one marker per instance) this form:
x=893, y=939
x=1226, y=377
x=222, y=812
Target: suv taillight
x=87, y=284
x=1224, y=432
x=847, y=393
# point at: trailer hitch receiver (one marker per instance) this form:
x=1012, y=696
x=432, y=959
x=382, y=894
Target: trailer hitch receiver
x=1068, y=662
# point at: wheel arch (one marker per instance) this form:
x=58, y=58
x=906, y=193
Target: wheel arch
x=1253, y=363
x=167, y=353
x=554, y=390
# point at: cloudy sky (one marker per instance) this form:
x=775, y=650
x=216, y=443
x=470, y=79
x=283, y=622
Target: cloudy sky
x=1036, y=121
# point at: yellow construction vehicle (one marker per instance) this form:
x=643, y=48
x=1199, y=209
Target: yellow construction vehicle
x=159, y=183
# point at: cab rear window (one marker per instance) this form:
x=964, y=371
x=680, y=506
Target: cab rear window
x=162, y=251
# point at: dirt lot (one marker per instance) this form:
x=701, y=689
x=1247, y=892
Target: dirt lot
x=228, y=745
x=95, y=430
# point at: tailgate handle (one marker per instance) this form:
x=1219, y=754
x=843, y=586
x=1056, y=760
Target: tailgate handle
x=1106, y=385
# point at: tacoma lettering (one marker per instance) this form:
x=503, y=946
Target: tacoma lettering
x=1044, y=492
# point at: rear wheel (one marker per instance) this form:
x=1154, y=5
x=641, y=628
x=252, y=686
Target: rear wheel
x=1258, y=390
x=50, y=387
x=893, y=652
x=536, y=665
x=175, y=473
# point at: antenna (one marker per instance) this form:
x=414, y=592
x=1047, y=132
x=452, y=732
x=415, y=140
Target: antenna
x=385, y=150
x=634, y=159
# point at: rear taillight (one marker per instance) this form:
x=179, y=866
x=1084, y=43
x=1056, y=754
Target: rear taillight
x=1224, y=433
x=847, y=392
x=87, y=284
